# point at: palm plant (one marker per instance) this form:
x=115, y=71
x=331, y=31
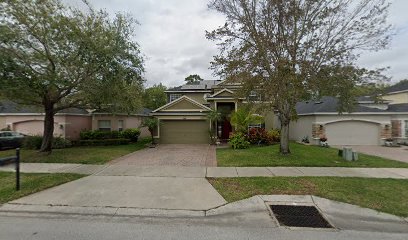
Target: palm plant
x=243, y=117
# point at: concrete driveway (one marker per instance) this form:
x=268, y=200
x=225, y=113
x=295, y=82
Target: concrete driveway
x=187, y=155
x=394, y=153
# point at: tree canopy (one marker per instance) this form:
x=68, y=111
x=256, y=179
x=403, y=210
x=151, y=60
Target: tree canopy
x=155, y=97
x=291, y=50
x=193, y=78
x=61, y=57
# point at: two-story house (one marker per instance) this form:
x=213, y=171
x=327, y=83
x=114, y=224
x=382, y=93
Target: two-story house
x=184, y=118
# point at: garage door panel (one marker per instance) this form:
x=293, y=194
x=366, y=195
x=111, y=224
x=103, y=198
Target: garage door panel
x=353, y=133
x=184, y=131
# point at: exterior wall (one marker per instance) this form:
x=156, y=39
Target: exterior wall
x=199, y=97
x=314, y=126
x=182, y=105
x=401, y=119
x=269, y=120
x=75, y=124
x=301, y=128
x=3, y=122
x=34, y=124
x=128, y=122
x=397, y=97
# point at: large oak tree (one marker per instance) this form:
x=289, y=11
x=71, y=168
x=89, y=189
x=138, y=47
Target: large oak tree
x=293, y=50
x=60, y=57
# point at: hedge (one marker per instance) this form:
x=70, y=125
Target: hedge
x=130, y=133
x=103, y=142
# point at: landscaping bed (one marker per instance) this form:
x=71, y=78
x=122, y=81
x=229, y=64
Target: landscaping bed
x=385, y=195
x=30, y=183
x=82, y=155
x=301, y=156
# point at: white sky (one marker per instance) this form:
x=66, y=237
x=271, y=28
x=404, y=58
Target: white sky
x=172, y=38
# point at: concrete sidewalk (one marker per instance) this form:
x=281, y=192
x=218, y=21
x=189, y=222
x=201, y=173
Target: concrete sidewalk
x=201, y=172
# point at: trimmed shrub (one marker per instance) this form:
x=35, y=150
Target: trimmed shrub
x=275, y=134
x=99, y=135
x=239, y=141
x=130, y=133
x=60, y=142
x=259, y=136
x=34, y=142
x=103, y=142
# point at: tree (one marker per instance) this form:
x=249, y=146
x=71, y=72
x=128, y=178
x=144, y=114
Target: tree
x=293, y=50
x=151, y=123
x=192, y=79
x=155, y=97
x=60, y=57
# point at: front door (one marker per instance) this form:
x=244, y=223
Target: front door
x=226, y=129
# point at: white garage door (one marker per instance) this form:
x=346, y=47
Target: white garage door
x=353, y=133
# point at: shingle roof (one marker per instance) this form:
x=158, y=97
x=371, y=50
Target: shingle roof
x=202, y=85
x=402, y=107
x=401, y=86
x=12, y=107
x=330, y=104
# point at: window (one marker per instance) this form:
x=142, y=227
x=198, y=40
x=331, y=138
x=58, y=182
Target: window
x=120, y=125
x=254, y=96
x=254, y=126
x=104, y=125
x=174, y=97
x=406, y=128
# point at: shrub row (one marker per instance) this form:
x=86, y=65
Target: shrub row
x=103, y=142
x=131, y=133
x=254, y=136
x=34, y=142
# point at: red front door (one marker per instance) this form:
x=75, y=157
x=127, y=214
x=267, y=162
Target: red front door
x=226, y=129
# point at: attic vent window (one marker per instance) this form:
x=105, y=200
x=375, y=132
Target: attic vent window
x=174, y=97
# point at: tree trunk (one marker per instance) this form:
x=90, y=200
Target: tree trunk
x=46, y=145
x=284, y=138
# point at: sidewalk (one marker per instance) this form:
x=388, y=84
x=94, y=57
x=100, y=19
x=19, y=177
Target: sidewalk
x=201, y=172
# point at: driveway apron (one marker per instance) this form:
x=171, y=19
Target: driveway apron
x=186, y=155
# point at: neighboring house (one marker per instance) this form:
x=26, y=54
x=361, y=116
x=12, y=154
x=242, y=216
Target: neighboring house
x=397, y=93
x=67, y=123
x=369, y=124
x=184, y=118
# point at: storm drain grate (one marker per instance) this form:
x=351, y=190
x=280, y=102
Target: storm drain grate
x=299, y=216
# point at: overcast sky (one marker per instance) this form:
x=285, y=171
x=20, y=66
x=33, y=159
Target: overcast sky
x=172, y=38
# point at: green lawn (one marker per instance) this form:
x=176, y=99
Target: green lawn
x=83, y=155
x=30, y=183
x=302, y=155
x=385, y=195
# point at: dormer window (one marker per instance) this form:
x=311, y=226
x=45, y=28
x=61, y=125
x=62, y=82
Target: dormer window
x=254, y=96
x=174, y=96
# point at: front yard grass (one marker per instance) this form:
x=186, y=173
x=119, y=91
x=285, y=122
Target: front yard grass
x=301, y=156
x=82, y=155
x=30, y=183
x=385, y=195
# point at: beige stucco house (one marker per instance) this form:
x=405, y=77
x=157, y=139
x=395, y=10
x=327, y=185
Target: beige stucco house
x=397, y=94
x=67, y=123
x=370, y=123
x=184, y=118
